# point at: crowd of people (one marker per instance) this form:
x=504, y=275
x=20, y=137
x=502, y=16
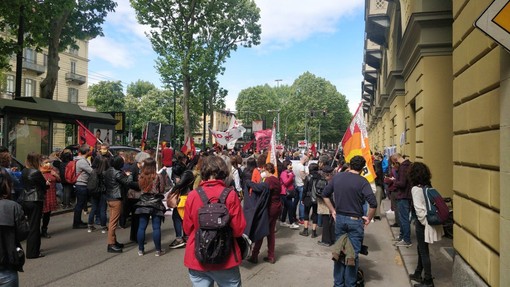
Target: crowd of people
x=326, y=197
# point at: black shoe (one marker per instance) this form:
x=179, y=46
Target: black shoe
x=82, y=225
x=120, y=245
x=364, y=250
x=304, y=232
x=425, y=283
x=112, y=248
x=377, y=218
x=415, y=277
x=45, y=235
x=395, y=225
x=40, y=255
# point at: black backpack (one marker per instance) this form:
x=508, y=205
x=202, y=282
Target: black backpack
x=214, y=240
x=319, y=186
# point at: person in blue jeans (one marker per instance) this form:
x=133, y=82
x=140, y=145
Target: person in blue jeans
x=404, y=199
x=350, y=190
x=98, y=199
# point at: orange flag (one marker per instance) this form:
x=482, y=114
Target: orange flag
x=355, y=142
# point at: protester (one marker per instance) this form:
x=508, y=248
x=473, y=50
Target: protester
x=419, y=177
x=300, y=172
x=11, y=217
x=310, y=200
x=404, y=200
x=272, y=185
x=67, y=188
x=5, y=163
x=350, y=191
x=287, y=196
x=52, y=177
x=115, y=179
x=150, y=205
x=213, y=172
x=182, y=188
x=328, y=223
x=167, y=156
x=98, y=199
x=33, y=196
x=83, y=169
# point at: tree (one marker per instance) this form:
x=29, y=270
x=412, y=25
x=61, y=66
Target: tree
x=193, y=38
x=56, y=25
x=140, y=88
x=107, y=96
x=252, y=103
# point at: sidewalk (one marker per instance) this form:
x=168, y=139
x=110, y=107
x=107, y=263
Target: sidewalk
x=441, y=254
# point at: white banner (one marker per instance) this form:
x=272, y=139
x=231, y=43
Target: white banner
x=234, y=132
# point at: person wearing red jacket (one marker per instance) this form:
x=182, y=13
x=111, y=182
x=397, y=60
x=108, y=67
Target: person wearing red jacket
x=213, y=172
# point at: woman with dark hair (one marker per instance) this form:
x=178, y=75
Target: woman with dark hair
x=251, y=165
x=67, y=189
x=287, y=195
x=419, y=175
x=272, y=185
x=310, y=200
x=50, y=200
x=98, y=199
x=11, y=215
x=150, y=205
x=214, y=171
x=33, y=196
x=115, y=180
x=182, y=187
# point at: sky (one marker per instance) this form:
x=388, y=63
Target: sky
x=322, y=37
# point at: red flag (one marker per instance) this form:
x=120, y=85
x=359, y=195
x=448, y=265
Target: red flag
x=355, y=142
x=85, y=135
x=248, y=145
x=263, y=138
x=314, y=150
x=189, y=146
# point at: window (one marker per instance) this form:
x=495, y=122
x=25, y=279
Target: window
x=30, y=55
x=9, y=84
x=29, y=88
x=73, y=95
x=73, y=67
x=45, y=60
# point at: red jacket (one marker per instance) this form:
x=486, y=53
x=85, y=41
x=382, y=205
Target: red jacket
x=212, y=188
x=167, y=155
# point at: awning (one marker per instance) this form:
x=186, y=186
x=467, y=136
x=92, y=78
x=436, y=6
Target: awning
x=57, y=110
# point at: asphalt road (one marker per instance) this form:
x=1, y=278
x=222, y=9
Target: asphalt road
x=78, y=258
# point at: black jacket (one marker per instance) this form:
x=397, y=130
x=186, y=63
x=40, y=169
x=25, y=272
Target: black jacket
x=34, y=185
x=11, y=214
x=114, y=181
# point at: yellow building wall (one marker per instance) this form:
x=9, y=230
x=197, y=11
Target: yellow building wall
x=476, y=143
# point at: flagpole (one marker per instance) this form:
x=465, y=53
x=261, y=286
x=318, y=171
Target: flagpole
x=157, y=146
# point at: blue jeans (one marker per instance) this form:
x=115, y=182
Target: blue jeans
x=156, y=231
x=288, y=209
x=9, y=278
x=298, y=202
x=225, y=278
x=81, y=202
x=98, y=208
x=404, y=213
x=177, y=220
x=346, y=275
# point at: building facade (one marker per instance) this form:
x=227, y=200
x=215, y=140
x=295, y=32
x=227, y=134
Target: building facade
x=437, y=89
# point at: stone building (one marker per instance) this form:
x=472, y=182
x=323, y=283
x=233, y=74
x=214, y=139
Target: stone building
x=437, y=89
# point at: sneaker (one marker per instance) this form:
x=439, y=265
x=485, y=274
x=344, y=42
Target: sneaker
x=395, y=225
x=294, y=226
x=112, y=248
x=323, y=244
x=402, y=243
x=301, y=222
x=159, y=253
x=104, y=229
x=177, y=243
x=91, y=228
x=284, y=224
x=140, y=253
x=390, y=212
x=397, y=239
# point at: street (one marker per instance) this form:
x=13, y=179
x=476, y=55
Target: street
x=78, y=258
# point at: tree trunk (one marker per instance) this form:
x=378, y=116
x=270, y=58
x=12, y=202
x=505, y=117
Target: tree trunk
x=50, y=82
x=185, y=106
x=213, y=89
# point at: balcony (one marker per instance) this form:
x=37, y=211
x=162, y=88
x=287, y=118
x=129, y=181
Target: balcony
x=76, y=78
x=377, y=21
x=370, y=74
x=31, y=65
x=373, y=54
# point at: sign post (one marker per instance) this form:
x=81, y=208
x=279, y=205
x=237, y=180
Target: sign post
x=495, y=22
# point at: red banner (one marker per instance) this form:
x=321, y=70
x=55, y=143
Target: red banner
x=263, y=139
x=85, y=135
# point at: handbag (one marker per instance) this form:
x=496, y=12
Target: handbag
x=291, y=193
x=172, y=199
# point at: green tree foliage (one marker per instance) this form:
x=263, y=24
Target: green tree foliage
x=107, y=96
x=55, y=25
x=309, y=102
x=194, y=38
x=140, y=88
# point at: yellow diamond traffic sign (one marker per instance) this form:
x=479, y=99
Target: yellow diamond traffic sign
x=495, y=22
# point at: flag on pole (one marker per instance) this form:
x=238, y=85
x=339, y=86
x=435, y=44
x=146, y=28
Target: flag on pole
x=85, y=135
x=314, y=150
x=248, y=145
x=271, y=155
x=189, y=146
x=355, y=142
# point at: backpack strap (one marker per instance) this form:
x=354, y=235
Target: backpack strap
x=224, y=194
x=202, y=195
x=426, y=197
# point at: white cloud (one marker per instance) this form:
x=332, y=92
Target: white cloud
x=116, y=53
x=124, y=19
x=287, y=21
